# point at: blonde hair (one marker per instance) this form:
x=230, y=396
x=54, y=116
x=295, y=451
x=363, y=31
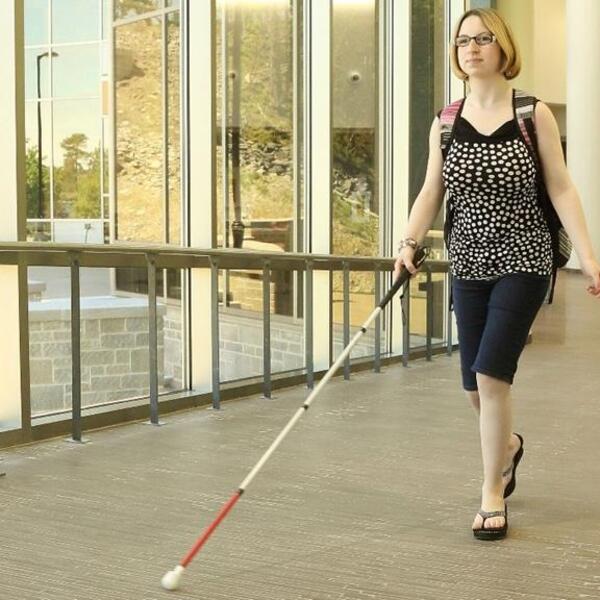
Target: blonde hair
x=511, y=56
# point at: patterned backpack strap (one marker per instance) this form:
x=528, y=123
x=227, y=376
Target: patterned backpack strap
x=525, y=111
x=448, y=118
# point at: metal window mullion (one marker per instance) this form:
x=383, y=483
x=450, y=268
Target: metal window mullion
x=165, y=117
x=112, y=132
x=297, y=156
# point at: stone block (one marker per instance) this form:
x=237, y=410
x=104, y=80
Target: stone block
x=35, y=350
x=40, y=371
x=91, y=327
x=122, y=356
x=112, y=325
x=55, y=325
x=45, y=398
x=62, y=376
x=117, y=369
x=142, y=339
x=106, y=382
x=118, y=340
x=56, y=349
x=139, y=381
x=139, y=360
x=136, y=325
x=91, y=358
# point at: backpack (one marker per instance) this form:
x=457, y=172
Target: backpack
x=524, y=107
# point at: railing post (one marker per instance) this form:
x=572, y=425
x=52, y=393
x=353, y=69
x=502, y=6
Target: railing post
x=377, y=349
x=405, y=323
x=152, y=340
x=449, y=328
x=266, y=329
x=429, y=315
x=308, y=326
x=75, y=351
x=214, y=325
x=346, y=308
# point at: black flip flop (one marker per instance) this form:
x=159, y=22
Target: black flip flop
x=510, y=486
x=492, y=533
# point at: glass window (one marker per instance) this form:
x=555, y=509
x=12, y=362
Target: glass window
x=39, y=231
x=36, y=22
x=77, y=21
x=38, y=136
x=355, y=200
x=37, y=73
x=426, y=99
x=77, y=159
x=355, y=208
x=131, y=8
x=174, y=122
x=76, y=71
x=139, y=132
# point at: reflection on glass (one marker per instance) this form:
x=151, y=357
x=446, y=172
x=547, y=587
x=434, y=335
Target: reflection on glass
x=131, y=8
x=174, y=141
x=175, y=3
x=76, y=71
x=77, y=21
x=37, y=159
x=77, y=159
x=38, y=231
x=355, y=202
x=139, y=135
x=36, y=22
x=355, y=199
x=427, y=98
x=255, y=99
x=241, y=331
x=37, y=73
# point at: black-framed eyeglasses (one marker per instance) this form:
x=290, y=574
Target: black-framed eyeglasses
x=481, y=39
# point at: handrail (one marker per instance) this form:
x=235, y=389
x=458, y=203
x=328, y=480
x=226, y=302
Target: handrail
x=98, y=255
x=153, y=257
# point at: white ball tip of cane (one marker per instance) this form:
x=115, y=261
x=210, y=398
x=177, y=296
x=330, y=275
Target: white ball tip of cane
x=172, y=579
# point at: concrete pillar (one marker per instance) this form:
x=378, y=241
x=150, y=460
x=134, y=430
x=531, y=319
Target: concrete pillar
x=583, y=116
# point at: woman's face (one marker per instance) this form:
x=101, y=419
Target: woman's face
x=478, y=61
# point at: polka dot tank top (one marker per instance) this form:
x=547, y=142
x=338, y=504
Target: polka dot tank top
x=498, y=227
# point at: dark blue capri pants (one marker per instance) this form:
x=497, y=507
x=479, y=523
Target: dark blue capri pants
x=494, y=318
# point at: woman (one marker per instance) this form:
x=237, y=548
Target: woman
x=500, y=249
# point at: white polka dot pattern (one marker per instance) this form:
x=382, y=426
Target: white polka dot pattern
x=498, y=226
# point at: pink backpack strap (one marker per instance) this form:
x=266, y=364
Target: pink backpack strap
x=448, y=117
x=524, y=105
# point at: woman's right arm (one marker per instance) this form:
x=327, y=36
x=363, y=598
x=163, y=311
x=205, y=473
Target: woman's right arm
x=427, y=204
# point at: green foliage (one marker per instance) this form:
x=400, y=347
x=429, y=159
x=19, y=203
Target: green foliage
x=34, y=211
x=76, y=182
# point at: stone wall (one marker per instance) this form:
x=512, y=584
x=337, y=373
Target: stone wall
x=114, y=351
x=241, y=344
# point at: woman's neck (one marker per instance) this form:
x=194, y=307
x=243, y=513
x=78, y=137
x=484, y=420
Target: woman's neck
x=489, y=93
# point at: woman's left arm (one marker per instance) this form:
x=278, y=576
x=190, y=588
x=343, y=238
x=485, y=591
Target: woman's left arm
x=563, y=194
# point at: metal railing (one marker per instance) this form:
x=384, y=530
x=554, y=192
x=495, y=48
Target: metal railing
x=153, y=258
